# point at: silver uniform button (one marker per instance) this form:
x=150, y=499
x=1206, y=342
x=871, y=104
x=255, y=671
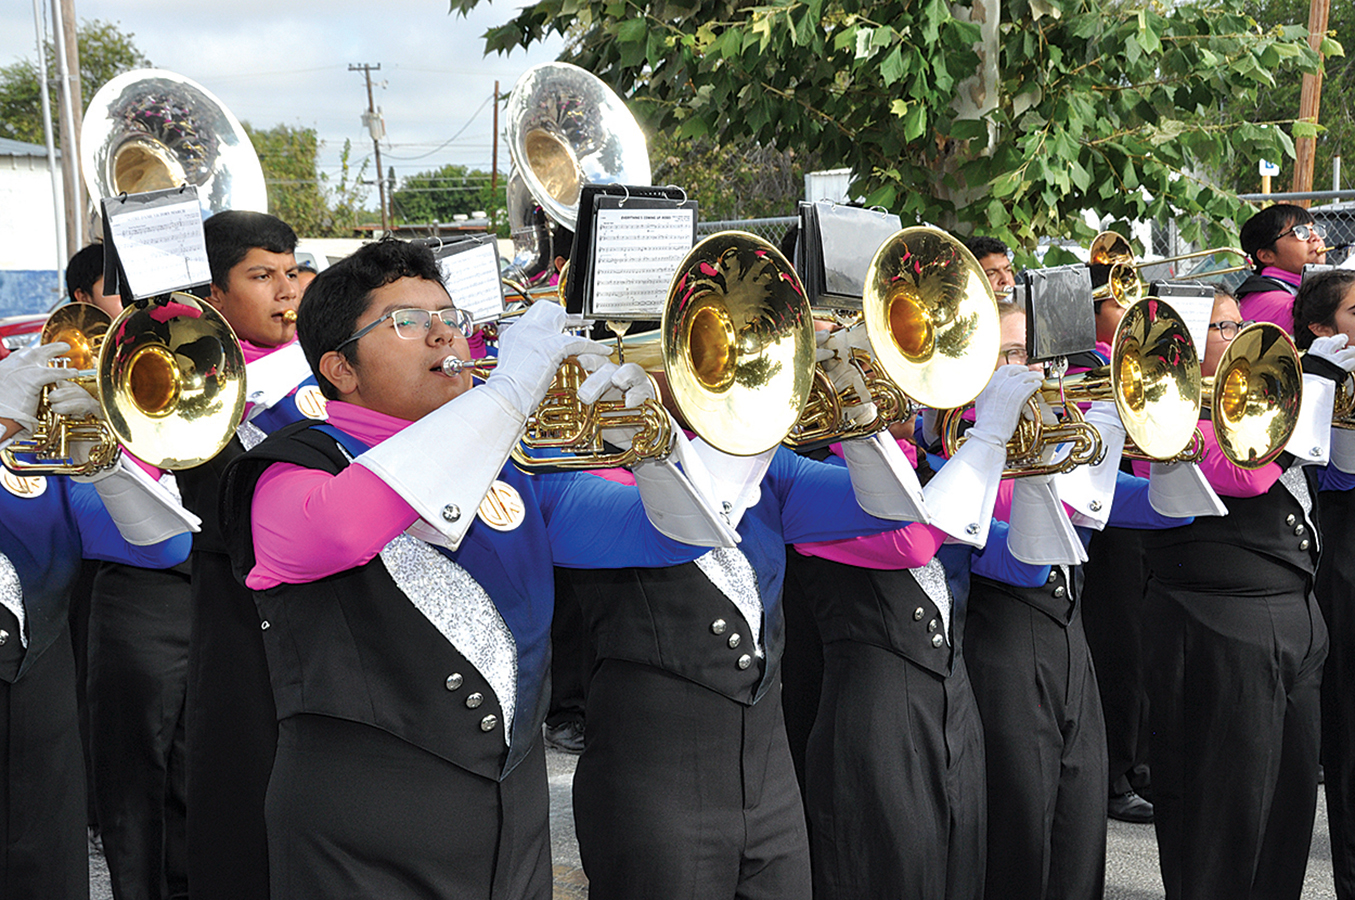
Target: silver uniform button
x=1060, y=592
x=1299, y=529
x=1053, y=576
x=734, y=640
x=264, y=626
x=1095, y=505
x=918, y=614
x=451, y=512
x=972, y=529
x=1303, y=544
x=937, y=640
x=454, y=681
x=475, y=700
x=744, y=661
x=933, y=625
x=489, y=722
x=718, y=626
x=4, y=637
x=1289, y=519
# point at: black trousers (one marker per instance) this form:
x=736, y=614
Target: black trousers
x=571, y=655
x=684, y=793
x=138, y=677
x=1045, y=744
x=1112, y=614
x=43, y=848
x=895, y=771
x=1234, y=710
x=232, y=736
x=354, y=812
x=1335, y=589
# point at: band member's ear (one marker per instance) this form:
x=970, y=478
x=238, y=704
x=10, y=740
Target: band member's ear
x=339, y=372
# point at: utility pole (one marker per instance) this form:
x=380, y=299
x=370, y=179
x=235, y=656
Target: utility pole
x=1310, y=101
x=58, y=208
x=494, y=161
x=68, y=90
x=377, y=128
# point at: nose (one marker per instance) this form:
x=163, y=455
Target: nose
x=439, y=332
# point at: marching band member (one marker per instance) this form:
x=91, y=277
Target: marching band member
x=407, y=633
x=895, y=760
x=1236, y=644
x=47, y=524
x=1036, y=688
x=231, y=728
x=686, y=787
x=1280, y=239
x=996, y=261
x=1325, y=306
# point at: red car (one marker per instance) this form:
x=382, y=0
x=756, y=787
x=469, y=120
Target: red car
x=19, y=331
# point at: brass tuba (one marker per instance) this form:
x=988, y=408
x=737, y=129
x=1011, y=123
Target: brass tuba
x=169, y=377
x=932, y=322
x=1255, y=394
x=153, y=129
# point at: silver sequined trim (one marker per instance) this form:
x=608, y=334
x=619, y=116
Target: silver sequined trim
x=12, y=595
x=250, y=435
x=1296, y=484
x=459, y=607
x=730, y=571
x=932, y=579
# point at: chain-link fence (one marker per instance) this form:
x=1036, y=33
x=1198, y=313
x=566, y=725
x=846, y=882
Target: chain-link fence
x=770, y=230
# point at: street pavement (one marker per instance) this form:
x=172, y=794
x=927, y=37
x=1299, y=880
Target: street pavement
x=1131, y=851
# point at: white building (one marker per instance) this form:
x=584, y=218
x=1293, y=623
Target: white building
x=31, y=266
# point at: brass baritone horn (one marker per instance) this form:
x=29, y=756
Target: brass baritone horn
x=932, y=322
x=1255, y=394
x=170, y=379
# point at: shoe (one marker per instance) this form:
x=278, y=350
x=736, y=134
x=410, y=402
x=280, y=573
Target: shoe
x=1130, y=807
x=567, y=736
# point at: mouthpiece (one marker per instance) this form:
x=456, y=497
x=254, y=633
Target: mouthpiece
x=451, y=366
x=289, y=316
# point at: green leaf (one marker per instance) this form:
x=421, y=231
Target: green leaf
x=631, y=30
x=892, y=69
x=915, y=122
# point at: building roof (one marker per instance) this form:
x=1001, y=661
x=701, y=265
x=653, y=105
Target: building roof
x=23, y=148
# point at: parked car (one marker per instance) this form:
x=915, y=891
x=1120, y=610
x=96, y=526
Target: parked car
x=19, y=331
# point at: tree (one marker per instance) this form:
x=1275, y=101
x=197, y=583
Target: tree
x=442, y=194
x=298, y=192
x=105, y=51
x=1102, y=106
x=1336, y=137
x=728, y=183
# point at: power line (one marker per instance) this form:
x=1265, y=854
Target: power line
x=449, y=140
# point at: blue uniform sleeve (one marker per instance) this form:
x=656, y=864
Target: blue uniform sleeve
x=1131, y=509
x=817, y=501
x=1330, y=478
x=594, y=523
x=100, y=538
x=995, y=561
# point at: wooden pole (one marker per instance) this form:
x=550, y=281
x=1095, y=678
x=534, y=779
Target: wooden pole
x=1310, y=101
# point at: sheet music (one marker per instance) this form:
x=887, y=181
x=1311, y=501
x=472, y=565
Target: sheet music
x=1196, y=312
x=635, y=253
x=472, y=280
x=161, y=247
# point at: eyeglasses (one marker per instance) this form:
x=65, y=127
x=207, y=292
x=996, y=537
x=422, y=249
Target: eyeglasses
x=413, y=324
x=1015, y=357
x=1229, y=330
x=1304, y=232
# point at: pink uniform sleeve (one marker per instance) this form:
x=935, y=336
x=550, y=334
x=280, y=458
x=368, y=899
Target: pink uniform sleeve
x=907, y=548
x=1226, y=479
x=309, y=524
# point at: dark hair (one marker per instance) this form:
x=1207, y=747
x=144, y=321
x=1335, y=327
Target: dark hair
x=84, y=268
x=1262, y=230
x=233, y=233
x=983, y=245
x=1317, y=302
x=337, y=298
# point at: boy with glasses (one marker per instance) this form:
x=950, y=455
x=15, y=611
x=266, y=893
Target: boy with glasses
x=1280, y=240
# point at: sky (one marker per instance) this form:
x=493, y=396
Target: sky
x=286, y=62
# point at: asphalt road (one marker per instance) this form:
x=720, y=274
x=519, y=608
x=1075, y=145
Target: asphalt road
x=1131, y=852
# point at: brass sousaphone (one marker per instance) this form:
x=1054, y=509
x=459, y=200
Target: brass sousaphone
x=1255, y=394
x=153, y=129
x=169, y=376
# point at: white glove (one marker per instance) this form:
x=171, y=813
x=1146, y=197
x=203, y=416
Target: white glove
x=1090, y=489
x=999, y=405
x=1040, y=532
x=1343, y=449
x=834, y=351
x=1333, y=349
x=685, y=502
x=144, y=511
x=530, y=353
x=609, y=381
x=883, y=480
x=1180, y=489
x=22, y=376
x=73, y=400
x=1310, y=441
